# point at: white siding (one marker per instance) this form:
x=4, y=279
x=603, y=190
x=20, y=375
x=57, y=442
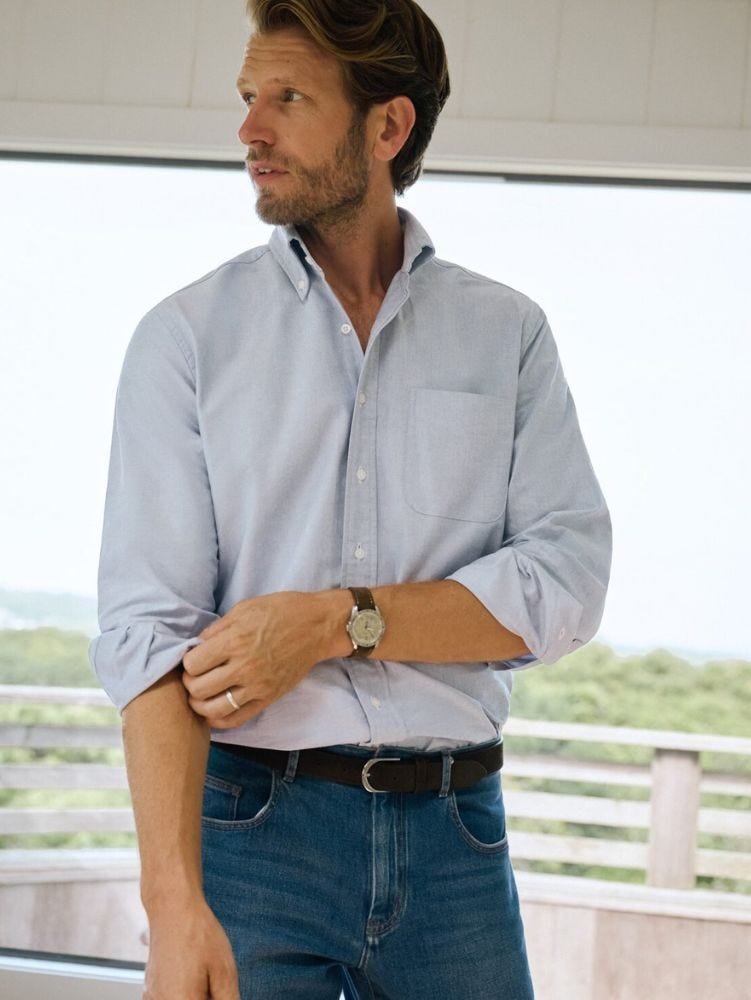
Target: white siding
x=150, y=53
x=221, y=34
x=61, y=56
x=653, y=88
x=11, y=20
x=510, y=59
x=450, y=18
x=699, y=63
x=604, y=58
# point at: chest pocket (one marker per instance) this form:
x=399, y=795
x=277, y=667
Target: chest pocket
x=458, y=454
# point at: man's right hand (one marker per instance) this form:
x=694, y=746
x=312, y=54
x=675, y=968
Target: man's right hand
x=190, y=957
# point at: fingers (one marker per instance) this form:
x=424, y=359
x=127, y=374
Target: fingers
x=217, y=707
x=209, y=654
x=223, y=984
x=207, y=696
x=212, y=684
x=234, y=719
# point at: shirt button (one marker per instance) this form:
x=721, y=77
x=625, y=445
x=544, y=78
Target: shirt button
x=345, y=328
x=359, y=552
x=301, y=284
x=562, y=633
x=362, y=474
x=375, y=702
x=361, y=399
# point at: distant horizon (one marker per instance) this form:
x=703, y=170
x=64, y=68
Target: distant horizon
x=696, y=657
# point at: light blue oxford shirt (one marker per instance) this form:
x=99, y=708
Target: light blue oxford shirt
x=256, y=448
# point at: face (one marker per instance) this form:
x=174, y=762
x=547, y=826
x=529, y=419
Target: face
x=306, y=146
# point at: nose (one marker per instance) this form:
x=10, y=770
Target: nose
x=256, y=127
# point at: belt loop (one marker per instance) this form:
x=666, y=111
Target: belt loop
x=289, y=774
x=448, y=762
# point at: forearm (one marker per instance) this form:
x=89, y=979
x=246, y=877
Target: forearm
x=264, y=646
x=437, y=621
x=166, y=748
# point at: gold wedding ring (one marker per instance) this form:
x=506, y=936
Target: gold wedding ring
x=231, y=699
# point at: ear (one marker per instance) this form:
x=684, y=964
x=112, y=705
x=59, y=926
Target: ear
x=394, y=120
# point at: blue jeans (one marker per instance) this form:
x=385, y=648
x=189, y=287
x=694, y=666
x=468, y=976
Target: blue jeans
x=323, y=887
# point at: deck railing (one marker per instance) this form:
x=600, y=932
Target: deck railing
x=668, y=821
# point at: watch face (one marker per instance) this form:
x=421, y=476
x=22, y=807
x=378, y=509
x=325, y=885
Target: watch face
x=366, y=628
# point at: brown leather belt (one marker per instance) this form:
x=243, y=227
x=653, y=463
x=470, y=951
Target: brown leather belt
x=382, y=774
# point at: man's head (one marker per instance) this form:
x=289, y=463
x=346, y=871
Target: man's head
x=385, y=49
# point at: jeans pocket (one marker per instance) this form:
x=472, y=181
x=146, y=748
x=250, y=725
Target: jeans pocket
x=243, y=803
x=479, y=816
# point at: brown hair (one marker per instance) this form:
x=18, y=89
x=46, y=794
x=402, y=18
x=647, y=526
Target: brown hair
x=386, y=48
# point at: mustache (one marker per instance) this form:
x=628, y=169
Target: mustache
x=278, y=161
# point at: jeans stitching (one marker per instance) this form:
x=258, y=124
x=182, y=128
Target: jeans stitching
x=248, y=824
x=496, y=848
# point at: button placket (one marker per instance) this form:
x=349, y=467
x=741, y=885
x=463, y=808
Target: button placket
x=359, y=562
x=371, y=687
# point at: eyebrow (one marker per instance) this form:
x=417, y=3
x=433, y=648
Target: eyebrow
x=283, y=80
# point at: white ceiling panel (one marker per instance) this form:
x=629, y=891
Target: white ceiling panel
x=617, y=88
x=61, y=56
x=150, y=52
x=220, y=41
x=450, y=18
x=700, y=62
x=603, y=68
x=511, y=59
x=11, y=19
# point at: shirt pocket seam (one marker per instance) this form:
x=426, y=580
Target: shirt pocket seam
x=426, y=432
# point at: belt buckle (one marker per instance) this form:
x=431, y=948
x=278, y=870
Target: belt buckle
x=366, y=771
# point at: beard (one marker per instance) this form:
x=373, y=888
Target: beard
x=328, y=196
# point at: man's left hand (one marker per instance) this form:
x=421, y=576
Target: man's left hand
x=260, y=650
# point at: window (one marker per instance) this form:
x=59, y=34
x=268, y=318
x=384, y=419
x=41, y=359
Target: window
x=648, y=296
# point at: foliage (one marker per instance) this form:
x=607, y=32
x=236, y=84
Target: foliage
x=654, y=691
x=595, y=685
x=48, y=656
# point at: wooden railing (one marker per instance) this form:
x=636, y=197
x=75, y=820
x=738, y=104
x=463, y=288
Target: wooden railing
x=673, y=814
x=668, y=822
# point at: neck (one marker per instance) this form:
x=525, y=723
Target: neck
x=360, y=257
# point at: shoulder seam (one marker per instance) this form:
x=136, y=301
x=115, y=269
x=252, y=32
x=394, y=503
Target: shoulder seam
x=450, y=265
x=179, y=340
x=257, y=252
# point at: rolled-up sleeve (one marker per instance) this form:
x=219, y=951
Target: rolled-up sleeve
x=158, y=561
x=547, y=582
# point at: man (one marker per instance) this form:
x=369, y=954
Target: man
x=347, y=495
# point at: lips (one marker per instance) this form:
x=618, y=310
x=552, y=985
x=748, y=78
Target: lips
x=263, y=171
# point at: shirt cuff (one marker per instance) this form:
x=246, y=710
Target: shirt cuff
x=128, y=660
x=526, y=600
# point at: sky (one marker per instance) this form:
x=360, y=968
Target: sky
x=647, y=291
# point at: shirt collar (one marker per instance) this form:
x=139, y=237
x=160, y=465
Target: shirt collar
x=418, y=246
x=290, y=251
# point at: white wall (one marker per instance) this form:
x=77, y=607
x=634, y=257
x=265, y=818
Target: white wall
x=650, y=88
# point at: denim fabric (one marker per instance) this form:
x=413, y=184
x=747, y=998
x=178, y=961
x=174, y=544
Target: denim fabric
x=324, y=888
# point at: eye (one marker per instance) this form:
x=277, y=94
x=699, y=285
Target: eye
x=247, y=99
x=290, y=96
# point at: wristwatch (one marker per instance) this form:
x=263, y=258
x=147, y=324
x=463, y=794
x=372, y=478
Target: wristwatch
x=366, y=625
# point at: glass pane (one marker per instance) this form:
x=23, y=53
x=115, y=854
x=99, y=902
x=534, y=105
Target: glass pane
x=648, y=296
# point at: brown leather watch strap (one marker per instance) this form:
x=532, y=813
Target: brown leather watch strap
x=364, y=601
x=363, y=598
